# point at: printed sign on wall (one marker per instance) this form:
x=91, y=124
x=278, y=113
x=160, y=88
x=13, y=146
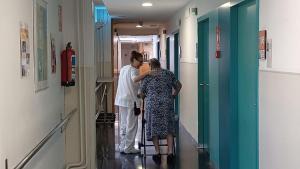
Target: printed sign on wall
x=24, y=49
x=262, y=44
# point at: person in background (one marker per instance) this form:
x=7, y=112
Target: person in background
x=126, y=96
x=159, y=90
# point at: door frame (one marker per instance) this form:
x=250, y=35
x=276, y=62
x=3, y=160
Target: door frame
x=158, y=50
x=168, y=53
x=177, y=67
x=200, y=80
x=234, y=75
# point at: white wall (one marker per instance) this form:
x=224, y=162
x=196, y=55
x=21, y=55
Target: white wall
x=188, y=63
x=103, y=51
x=281, y=20
x=155, y=39
x=115, y=43
x=103, y=44
x=279, y=120
x=70, y=34
x=172, y=64
x=25, y=116
x=163, y=45
x=87, y=67
x=279, y=91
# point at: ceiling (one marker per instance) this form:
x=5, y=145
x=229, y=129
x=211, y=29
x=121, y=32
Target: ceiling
x=161, y=11
x=135, y=39
x=130, y=25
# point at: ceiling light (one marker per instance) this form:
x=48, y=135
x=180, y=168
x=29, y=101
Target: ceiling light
x=226, y=5
x=147, y=4
x=139, y=25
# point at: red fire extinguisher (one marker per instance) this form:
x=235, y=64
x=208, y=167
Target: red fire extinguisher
x=68, y=66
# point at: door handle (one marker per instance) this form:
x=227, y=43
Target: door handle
x=201, y=147
x=203, y=84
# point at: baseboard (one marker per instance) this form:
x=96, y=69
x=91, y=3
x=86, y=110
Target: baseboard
x=187, y=134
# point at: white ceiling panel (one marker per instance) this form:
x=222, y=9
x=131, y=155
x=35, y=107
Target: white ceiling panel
x=162, y=10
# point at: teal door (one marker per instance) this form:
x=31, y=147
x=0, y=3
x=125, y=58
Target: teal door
x=247, y=85
x=203, y=81
x=176, y=66
x=168, y=53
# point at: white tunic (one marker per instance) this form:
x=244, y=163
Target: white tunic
x=127, y=90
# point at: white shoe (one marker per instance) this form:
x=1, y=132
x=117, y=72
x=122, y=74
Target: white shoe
x=132, y=151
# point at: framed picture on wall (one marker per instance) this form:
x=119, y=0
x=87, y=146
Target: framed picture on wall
x=40, y=45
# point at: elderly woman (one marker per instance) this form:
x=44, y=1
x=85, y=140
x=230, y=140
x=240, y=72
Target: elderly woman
x=159, y=89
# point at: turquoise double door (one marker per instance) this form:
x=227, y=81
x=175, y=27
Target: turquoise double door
x=232, y=128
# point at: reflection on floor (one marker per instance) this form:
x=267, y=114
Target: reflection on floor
x=187, y=157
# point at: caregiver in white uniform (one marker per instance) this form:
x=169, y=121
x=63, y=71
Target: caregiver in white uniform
x=128, y=86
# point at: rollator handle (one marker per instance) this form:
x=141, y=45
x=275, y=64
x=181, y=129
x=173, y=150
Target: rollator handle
x=137, y=111
x=141, y=96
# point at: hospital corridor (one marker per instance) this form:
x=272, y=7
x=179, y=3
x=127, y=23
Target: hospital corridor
x=149, y=84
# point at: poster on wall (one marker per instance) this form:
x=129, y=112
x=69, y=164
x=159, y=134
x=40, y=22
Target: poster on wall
x=40, y=45
x=24, y=50
x=262, y=44
x=53, y=54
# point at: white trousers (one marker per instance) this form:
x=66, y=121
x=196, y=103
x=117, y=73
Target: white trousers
x=128, y=128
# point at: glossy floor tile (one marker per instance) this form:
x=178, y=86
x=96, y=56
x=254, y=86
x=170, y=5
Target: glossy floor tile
x=108, y=157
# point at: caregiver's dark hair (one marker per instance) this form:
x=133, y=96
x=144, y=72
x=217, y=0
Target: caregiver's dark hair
x=135, y=55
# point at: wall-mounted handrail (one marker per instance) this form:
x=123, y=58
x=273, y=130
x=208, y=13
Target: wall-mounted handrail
x=33, y=152
x=103, y=94
x=97, y=115
x=98, y=87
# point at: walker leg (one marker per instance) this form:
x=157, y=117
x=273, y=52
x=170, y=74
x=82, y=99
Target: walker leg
x=144, y=140
x=174, y=146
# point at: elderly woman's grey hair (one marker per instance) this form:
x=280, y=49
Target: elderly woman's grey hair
x=154, y=63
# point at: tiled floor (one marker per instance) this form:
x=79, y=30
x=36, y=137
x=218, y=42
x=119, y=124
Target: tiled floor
x=187, y=157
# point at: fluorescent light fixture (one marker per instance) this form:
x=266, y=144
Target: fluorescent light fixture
x=147, y=4
x=139, y=25
x=226, y=5
x=136, y=38
x=128, y=39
